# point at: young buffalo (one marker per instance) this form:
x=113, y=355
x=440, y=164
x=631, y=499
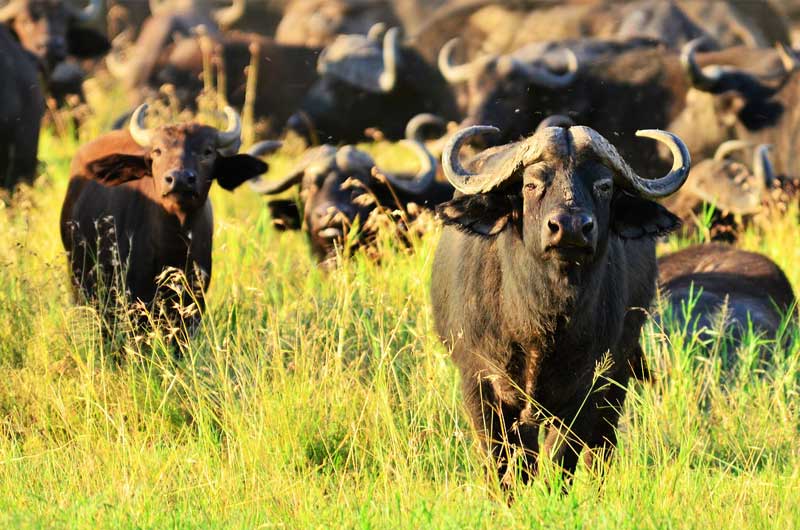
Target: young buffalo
x=137, y=205
x=544, y=267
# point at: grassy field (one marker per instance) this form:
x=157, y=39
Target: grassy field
x=324, y=400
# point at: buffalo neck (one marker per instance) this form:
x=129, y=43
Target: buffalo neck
x=543, y=296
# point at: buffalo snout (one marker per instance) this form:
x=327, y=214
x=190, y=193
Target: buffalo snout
x=180, y=181
x=570, y=230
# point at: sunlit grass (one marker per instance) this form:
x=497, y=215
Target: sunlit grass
x=312, y=399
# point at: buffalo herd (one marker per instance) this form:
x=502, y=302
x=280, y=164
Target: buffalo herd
x=555, y=142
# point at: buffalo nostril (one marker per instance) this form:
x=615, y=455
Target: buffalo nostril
x=169, y=179
x=191, y=179
x=554, y=226
x=587, y=227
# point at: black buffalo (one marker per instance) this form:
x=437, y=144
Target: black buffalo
x=137, y=206
x=545, y=264
x=21, y=110
x=604, y=84
x=341, y=188
x=52, y=30
x=731, y=103
x=371, y=81
x=719, y=288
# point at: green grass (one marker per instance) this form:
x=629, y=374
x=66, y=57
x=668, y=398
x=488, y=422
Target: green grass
x=324, y=400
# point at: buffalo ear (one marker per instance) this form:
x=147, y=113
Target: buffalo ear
x=116, y=169
x=285, y=214
x=233, y=171
x=634, y=218
x=86, y=43
x=482, y=214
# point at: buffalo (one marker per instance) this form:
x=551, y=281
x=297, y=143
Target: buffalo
x=545, y=263
x=371, y=81
x=717, y=287
x=21, y=111
x=731, y=103
x=340, y=189
x=137, y=206
x=735, y=191
x=52, y=30
x=604, y=84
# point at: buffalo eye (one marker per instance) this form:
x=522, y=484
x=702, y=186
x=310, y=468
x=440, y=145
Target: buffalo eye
x=208, y=152
x=602, y=188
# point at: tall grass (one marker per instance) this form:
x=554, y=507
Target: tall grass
x=312, y=399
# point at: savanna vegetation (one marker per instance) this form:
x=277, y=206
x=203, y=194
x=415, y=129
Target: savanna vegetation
x=323, y=399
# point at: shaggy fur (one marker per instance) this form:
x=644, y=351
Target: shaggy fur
x=529, y=323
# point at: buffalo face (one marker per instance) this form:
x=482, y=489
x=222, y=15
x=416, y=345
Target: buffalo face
x=51, y=29
x=182, y=160
x=340, y=189
x=562, y=191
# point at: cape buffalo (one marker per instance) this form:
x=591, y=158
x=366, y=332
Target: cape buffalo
x=341, y=188
x=718, y=287
x=371, y=81
x=735, y=191
x=52, y=29
x=604, y=84
x=540, y=280
x=137, y=205
x=21, y=110
x=730, y=103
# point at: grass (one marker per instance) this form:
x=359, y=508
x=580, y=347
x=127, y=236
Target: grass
x=324, y=400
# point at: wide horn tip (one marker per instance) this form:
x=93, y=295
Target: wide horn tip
x=137, y=128
x=682, y=160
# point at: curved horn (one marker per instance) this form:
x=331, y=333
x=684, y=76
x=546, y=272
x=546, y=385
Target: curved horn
x=10, y=10
x=375, y=32
x=624, y=175
x=789, y=60
x=264, y=148
x=460, y=73
x=762, y=166
x=318, y=159
x=728, y=147
x=232, y=135
x=420, y=121
x=117, y=67
x=539, y=75
x=461, y=179
x=698, y=76
x=227, y=16
x=158, y=6
x=89, y=13
x=139, y=132
x=391, y=50
x=266, y=187
x=424, y=177
x=555, y=120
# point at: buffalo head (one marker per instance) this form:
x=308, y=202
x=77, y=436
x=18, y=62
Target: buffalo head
x=499, y=89
x=182, y=161
x=51, y=29
x=563, y=190
x=339, y=189
x=725, y=102
x=369, y=81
